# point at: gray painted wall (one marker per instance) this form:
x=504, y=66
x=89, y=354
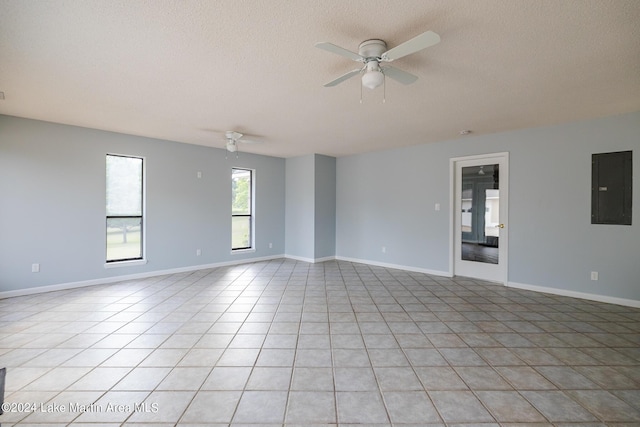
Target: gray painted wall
x=300, y=207
x=387, y=199
x=325, y=206
x=52, y=207
x=311, y=207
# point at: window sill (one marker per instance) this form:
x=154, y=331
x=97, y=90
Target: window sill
x=118, y=264
x=242, y=251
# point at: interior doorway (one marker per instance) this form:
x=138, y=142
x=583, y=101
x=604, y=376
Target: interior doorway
x=480, y=206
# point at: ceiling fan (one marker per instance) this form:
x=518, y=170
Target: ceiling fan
x=373, y=52
x=233, y=138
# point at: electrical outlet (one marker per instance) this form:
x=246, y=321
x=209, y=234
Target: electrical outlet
x=270, y=245
x=35, y=268
x=437, y=206
x=199, y=174
x=594, y=275
x=384, y=249
x=198, y=252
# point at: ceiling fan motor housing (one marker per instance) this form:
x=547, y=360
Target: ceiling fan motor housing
x=233, y=135
x=372, y=49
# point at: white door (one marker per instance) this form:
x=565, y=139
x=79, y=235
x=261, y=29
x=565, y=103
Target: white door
x=480, y=194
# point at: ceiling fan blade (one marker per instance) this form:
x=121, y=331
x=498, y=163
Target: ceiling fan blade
x=399, y=75
x=417, y=43
x=343, y=77
x=330, y=47
x=249, y=141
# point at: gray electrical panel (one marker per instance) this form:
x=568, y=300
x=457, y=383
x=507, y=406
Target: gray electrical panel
x=611, y=188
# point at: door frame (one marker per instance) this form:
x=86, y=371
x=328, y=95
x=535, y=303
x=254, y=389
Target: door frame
x=504, y=217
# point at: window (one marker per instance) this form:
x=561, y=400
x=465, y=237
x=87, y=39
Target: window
x=241, y=209
x=124, y=225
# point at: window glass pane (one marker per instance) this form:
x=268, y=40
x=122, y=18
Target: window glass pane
x=241, y=192
x=124, y=238
x=467, y=204
x=480, y=222
x=240, y=232
x=124, y=186
x=491, y=213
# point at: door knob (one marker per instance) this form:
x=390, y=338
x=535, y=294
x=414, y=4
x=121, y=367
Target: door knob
x=500, y=226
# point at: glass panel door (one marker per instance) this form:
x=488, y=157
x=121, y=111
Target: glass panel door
x=480, y=213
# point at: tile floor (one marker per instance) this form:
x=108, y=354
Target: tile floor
x=290, y=343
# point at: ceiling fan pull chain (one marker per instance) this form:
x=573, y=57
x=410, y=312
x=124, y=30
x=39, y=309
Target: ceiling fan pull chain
x=360, y=93
x=384, y=89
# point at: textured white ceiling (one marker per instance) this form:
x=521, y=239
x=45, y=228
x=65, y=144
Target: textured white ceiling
x=181, y=69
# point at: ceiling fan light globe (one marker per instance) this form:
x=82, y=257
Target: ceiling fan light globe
x=372, y=79
x=231, y=147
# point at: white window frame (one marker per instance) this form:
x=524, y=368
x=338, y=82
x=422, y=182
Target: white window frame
x=143, y=260
x=252, y=225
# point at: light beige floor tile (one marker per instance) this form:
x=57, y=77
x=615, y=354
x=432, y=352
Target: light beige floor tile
x=100, y=379
x=282, y=341
x=185, y=379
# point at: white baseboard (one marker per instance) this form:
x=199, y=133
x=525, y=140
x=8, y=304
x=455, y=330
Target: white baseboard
x=299, y=258
x=395, y=266
x=576, y=294
x=324, y=259
x=69, y=285
x=114, y=279
x=310, y=260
